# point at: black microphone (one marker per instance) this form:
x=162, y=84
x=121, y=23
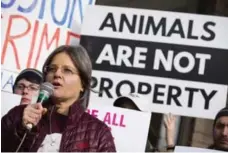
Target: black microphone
x=46, y=90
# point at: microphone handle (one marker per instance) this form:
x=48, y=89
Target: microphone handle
x=40, y=99
x=29, y=126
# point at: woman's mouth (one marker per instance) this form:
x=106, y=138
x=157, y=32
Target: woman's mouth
x=56, y=85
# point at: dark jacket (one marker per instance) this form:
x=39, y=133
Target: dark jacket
x=213, y=146
x=83, y=132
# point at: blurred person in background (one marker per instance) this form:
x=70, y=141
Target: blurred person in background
x=220, y=131
x=27, y=84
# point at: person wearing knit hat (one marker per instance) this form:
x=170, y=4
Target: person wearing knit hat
x=220, y=130
x=27, y=84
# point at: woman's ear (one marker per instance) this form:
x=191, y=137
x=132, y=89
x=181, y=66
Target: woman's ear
x=81, y=94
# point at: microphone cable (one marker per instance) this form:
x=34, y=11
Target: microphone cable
x=22, y=141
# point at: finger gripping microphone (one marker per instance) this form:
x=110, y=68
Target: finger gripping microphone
x=46, y=90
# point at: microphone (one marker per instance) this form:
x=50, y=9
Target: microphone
x=46, y=90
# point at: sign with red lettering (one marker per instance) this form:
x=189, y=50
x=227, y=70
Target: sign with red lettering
x=129, y=128
x=32, y=29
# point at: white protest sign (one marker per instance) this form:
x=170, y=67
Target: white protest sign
x=193, y=149
x=129, y=128
x=176, y=60
x=160, y=89
x=8, y=101
x=32, y=29
x=7, y=79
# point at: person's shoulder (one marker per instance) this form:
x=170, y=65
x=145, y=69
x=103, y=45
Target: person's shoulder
x=14, y=114
x=92, y=121
x=16, y=110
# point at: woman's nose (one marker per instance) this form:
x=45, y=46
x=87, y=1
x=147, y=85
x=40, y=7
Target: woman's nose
x=58, y=73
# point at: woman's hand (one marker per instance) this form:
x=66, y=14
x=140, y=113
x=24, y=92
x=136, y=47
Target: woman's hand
x=32, y=114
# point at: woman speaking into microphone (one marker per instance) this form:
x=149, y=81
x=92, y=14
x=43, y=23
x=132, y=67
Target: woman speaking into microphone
x=60, y=124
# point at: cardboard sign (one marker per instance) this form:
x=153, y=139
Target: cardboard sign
x=32, y=29
x=176, y=60
x=129, y=128
x=193, y=149
x=8, y=101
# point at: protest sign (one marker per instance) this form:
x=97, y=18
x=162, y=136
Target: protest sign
x=176, y=60
x=32, y=29
x=10, y=99
x=193, y=149
x=129, y=128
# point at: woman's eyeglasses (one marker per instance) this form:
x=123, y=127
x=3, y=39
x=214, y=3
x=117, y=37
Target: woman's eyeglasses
x=64, y=69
